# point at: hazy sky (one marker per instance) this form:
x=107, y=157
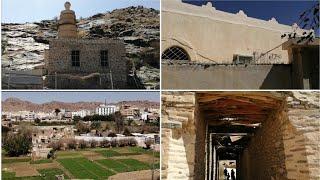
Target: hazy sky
x=42, y=97
x=20, y=11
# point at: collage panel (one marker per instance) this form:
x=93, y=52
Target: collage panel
x=94, y=135
x=80, y=44
x=246, y=135
x=160, y=89
x=249, y=45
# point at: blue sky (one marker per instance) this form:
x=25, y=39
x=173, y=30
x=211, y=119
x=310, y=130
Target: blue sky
x=286, y=12
x=20, y=11
x=42, y=97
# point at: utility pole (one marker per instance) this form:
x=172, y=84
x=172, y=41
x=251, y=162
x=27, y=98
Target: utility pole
x=152, y=166
x=55, y=81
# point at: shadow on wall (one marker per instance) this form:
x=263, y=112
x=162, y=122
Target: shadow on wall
x=278, y=78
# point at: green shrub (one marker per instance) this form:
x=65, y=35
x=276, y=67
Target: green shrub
x=105, y=143
x=132, y=142
x=113, y=143
x=71, y=144
x=82, y=144
x=93, y=143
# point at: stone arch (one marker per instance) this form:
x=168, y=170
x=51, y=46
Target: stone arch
x=175, y=53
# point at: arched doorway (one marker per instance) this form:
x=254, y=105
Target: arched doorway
x=175, y=53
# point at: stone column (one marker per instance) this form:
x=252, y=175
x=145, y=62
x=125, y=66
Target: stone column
x=178, y=135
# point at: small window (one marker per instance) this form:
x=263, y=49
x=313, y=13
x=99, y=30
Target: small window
x=75, y=58
x=239, y=59
x=104, y=58
x=175, y=53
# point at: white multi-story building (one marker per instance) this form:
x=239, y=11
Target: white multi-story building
x=106, y=110
x=30, y=116
x=81, y=113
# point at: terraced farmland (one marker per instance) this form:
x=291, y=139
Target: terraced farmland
x=97, y=163
x=82, y=168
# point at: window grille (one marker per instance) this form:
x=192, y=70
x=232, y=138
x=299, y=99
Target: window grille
x=75, y=58
x=175, y=53
x=104, y=58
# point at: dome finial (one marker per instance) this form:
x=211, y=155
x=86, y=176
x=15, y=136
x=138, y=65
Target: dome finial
x=67, y=5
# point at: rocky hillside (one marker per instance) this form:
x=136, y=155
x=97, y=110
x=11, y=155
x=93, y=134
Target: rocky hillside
x=23, y=44
x=15, y=104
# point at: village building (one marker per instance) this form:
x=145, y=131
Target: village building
x=205, y=48
x=74, y=63
x=130, y=112
x=43, y=135
x=106, y=110
x=261, y=135
x=81, y=113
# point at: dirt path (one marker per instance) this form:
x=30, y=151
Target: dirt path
x=136, y=175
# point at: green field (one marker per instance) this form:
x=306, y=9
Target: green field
x=143, y=151
x=77, y=164
x=111, y=153
x=134, y=164
x=41, y=161
x=51, y=173
x=83, y=168
x=124, y=165
x=108, y=153
x=46, y=174
x=15, y=160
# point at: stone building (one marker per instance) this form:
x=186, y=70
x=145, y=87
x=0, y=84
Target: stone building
x=205, y=48
x=72, y=62
x=269, y=135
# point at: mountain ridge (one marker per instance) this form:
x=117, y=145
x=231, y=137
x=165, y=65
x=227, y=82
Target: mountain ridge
x=15, y=104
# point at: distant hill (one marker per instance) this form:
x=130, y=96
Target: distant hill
x=15, y=104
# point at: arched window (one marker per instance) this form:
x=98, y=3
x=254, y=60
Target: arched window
x=175, y=53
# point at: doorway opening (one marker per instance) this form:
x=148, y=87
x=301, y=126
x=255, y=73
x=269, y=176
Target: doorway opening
x=239, y=143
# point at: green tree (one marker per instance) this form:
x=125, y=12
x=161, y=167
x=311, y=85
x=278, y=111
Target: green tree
x=126, y=132
x=57, y=111
x=37, y=120
x=119, y=121
x=17, y=144
x=77, y=118
x=96, y=125
x=82, y=127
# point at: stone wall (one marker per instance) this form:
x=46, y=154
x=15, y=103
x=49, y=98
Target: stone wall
x=81, y=81
x=213, y=36
x=58, y=59
x=59, y=56
x=200, y=144
x=185, y=75
x=302, y=136
x=287, y=144
x=178, y=135
x=264, y=157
